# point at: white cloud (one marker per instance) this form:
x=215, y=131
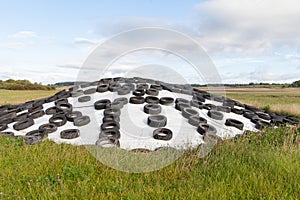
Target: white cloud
x=43, y=76
x=69, y=66
x=19, y=40
x=81, y=40
x=24, y=35
x=13, y=45
x=243, y=26
x=117, y=25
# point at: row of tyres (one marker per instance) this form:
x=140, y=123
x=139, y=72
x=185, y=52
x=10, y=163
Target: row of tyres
x=24, y=115
x=144, y=91
x=110, y=127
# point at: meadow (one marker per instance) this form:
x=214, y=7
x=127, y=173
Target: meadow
x=280, y=100
x=262, y=165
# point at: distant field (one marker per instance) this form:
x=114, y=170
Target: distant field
x=21, y=96
x=282, y=100
x=279, y=100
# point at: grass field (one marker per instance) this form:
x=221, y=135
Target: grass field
x=264, y=166
x=21, y=96
x=279, y=100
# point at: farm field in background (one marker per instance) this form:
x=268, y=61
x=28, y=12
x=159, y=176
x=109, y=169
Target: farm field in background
x=280, y=100
x=13, y=97
x=285, y=100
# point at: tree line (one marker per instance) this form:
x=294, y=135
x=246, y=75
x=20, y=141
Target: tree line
x=11, y=84
x=283, y=85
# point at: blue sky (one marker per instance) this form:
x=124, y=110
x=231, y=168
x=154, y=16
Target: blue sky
x=248, y=41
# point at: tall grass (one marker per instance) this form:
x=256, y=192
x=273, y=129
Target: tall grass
x=260, y=166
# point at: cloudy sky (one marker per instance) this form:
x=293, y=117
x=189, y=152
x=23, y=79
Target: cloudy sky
x=247, y=40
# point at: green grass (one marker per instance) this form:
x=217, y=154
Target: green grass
x=262, y=165
x=283, y=101
x=20, y=96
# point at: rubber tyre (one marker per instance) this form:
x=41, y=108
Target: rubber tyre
x=34, y=109
x=111, y=112
x=70, y=134
x=23, y=124
x=143, y=86
x=21, y=117
x=8, y=117
x=112, y=132
x=47, y=128
x=3, y=127
x=115, y=105
x=237, y=111
x=157, y=87
x=250, y=115
x=6, y=133
x=33, y=137
x=197, y=104
x=110, y=118
x=101, y=104
x=106, y=142
x=73, y=115
x=162, y=134
x=152, y=109
x=123, y=91
x=109, y=125
x=113, y=87
x=260, y=124
x=199, y=97
x=263, y=115
x=38, y=103
x=60, y=101
x=235, y=123
x=188, y=112
x=77, y=93
x=157, y=121
x=58, y=120
x=291, y=120
x=102, y=88
x=166, y=101
x=152, y=92
x=82, y=120
x=196, y=120
x=225, y=109
x=152, y=99
x=181, y=100
x=137, y=100
x=130, y=86
x=277, y=122
x=90, y=91
x=206, y=129
x=138, y=92
x=209, y=106
x=180, y=106
x=229, y=103
x=84, y=99
x=215, y=115
x=65, y=107
x=123, y=100
x=36, y=114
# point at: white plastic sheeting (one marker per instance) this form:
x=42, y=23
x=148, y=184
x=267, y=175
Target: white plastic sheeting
x=135, y=133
